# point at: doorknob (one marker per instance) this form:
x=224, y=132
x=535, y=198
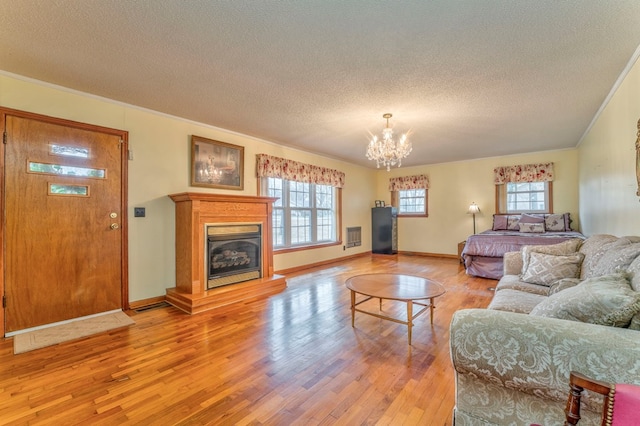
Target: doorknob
x=114, y=226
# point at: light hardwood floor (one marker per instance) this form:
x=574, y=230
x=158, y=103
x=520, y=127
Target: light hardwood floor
x=289, y=359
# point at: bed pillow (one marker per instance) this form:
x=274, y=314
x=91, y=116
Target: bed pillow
x=499, y=222
x=531, y=227
x=558, y=222
x=530, y=218
x=567, y=222
x=606, y=300
x=561, y=249
x=554, y=222
x=547, y=269
x=513, y=222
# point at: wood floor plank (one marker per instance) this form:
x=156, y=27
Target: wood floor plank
x=288, y=359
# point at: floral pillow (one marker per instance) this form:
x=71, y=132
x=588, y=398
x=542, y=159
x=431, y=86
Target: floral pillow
x=554, y=222
x=546, y=269
x=558, y=222
x=606, y=300
x=513, y=222
x=531, y=227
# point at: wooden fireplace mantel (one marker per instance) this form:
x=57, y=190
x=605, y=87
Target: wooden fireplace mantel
x=193, y=211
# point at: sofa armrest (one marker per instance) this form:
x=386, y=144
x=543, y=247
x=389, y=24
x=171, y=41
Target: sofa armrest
x=534, y=355
x=512, y=263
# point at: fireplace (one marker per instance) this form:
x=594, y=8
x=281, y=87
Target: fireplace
x=244, y=219
x=233, y=253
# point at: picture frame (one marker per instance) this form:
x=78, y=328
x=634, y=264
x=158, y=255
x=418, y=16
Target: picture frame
x=216, y=164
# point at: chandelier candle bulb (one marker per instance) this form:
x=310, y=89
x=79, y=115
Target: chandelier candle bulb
x=387, y=151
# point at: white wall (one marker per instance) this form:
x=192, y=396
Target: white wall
x=607, y=157
x=160, y=166
x=454, y=186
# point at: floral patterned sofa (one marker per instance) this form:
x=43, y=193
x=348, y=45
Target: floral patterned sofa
x=571, y=306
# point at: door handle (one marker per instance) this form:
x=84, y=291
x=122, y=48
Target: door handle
x=114, y=226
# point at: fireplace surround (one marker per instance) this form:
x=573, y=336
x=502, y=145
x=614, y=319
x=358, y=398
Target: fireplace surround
x=195, y=212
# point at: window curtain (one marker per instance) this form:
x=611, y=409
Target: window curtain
x=523, y=173
x=269, y=166
x=409, y=182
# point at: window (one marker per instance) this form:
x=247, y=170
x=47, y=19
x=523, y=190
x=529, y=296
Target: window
x=410, y=202
x=524, y=197
x=305, y=214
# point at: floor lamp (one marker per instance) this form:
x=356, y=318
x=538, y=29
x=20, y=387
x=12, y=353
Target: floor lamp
x=473, y=209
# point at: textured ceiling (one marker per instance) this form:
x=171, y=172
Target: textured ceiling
x=467, y=78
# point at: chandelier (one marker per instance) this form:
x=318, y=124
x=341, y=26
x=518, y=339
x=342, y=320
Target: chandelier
x=387, y=151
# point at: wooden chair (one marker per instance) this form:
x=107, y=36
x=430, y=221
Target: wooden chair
x=579, y=382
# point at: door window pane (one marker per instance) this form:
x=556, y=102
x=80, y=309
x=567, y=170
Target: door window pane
x=68, y=151
x=62, y=170
x=77, y=190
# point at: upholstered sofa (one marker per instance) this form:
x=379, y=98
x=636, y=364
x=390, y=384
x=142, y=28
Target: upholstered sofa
x=571, y=306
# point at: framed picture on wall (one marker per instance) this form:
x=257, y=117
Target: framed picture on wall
x=216, y=164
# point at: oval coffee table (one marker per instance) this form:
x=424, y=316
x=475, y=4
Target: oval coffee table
x=405, y=288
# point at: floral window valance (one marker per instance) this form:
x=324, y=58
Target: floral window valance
x=408, y=182
x=269, y=166
x=524, y=173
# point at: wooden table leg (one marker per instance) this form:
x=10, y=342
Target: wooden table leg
x=431, y=307
x=353, y=308
x=409, y=318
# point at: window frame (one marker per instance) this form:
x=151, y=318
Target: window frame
x=263, y=190
x=501, y=199
x=395, y=202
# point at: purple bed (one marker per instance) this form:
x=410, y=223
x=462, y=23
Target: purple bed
x=483, y=253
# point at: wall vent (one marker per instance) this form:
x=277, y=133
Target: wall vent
x=354, y=236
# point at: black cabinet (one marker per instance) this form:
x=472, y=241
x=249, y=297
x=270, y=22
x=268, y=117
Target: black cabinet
x=384, y=230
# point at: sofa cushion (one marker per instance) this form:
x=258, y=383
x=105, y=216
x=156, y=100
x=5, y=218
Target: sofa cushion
x=617, y=258
x=593, y=248
x=515, y=301
x=561, y=249
x=634, y=272
x=563, y=284
x=606, y=300
x=546, y=269
x=513, y=282
x=512, y=263
x=635, y=322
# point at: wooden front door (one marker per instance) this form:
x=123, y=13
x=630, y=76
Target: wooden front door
x=64, y=220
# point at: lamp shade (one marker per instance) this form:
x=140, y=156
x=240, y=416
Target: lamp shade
x=473, y=209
